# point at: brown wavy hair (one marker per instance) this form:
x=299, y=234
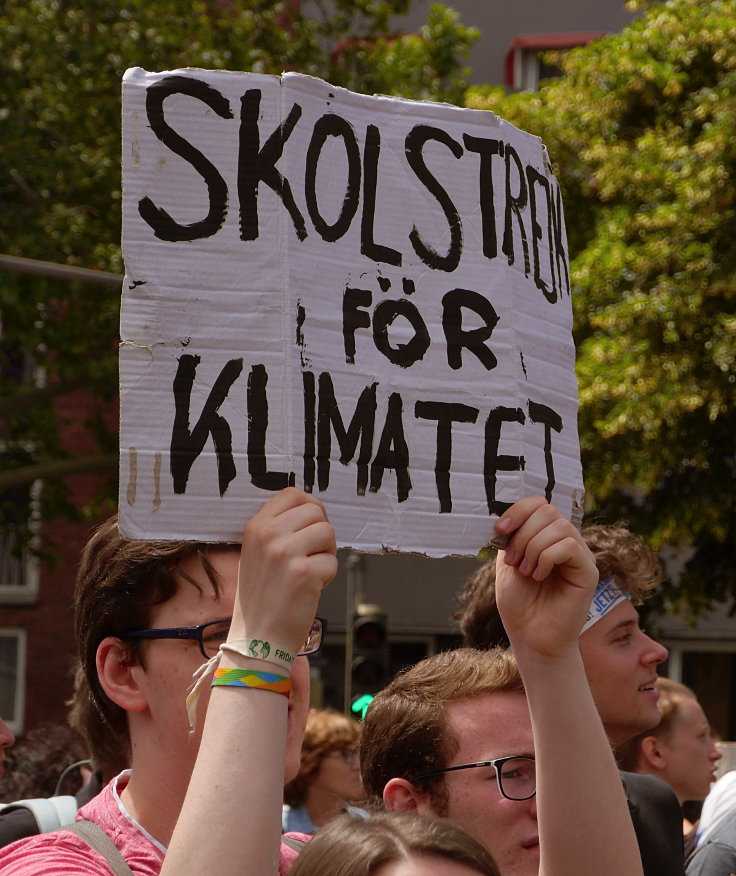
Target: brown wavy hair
x=118, y=583
x=617, y=552
x=103, y=747
x=327, y=730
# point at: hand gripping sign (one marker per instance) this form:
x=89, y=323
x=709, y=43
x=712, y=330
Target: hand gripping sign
x=366, y=297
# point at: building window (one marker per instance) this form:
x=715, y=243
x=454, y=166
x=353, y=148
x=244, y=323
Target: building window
x=12, y=677
x=19, y=505
x=19, y=565
x=525, y=64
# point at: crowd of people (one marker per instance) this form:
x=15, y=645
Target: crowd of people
x=495, y=758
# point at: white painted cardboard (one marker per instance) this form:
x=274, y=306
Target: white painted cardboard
x=409, y=254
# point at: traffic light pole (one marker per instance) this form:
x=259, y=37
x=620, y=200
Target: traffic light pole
x=354, y=594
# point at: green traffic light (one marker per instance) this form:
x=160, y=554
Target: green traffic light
x=360, y=706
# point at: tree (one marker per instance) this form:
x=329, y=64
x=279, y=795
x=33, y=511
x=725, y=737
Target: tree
x=642, y=128
x=61, y=64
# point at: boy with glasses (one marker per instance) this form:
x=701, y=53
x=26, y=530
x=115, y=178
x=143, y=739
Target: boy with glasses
x=148, y=614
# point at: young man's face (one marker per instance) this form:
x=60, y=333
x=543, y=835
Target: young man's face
x=168, y=664
x=488, y=727
x=621, y=665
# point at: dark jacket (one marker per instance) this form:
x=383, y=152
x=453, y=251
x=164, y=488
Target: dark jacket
x=657, y=818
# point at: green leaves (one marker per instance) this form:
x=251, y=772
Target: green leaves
x=61, y=65
x=642, y=130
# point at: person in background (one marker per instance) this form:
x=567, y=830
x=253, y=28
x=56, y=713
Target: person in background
x=98, y=760
x=393, y=844
x=45, y=775
x=36, y=763
x=680, y=750
x=720, y=801
x=329, y=774
x=715, y=853
x=620, y=662
x=6, y=740
x=714, y=840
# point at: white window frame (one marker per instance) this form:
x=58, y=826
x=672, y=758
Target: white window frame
x=25, y=591
x=526, y=69
x=27, y=565
x=524, y=58
x=15, y=721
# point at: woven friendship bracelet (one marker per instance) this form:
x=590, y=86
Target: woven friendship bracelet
x=249, y=678
x=260, y=649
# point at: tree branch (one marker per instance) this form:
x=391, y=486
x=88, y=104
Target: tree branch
x=29, y=397
x=57, y=468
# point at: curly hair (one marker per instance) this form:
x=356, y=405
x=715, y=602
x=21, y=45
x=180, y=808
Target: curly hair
x=618, y=554
x=35, y=764
x=327, y=730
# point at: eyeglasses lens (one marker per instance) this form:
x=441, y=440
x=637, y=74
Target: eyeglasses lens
x=518, y=778
x=214, y=635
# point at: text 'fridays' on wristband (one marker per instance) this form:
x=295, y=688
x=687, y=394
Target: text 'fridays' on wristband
x=261, y=649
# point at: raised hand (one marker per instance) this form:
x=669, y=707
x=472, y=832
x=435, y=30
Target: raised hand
x=288, y=557
x=545, y=578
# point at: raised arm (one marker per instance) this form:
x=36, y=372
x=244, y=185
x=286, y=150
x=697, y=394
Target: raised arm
x=230, y=822
x=544, y=585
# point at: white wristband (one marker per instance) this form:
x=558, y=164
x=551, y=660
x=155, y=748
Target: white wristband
x=260, y=649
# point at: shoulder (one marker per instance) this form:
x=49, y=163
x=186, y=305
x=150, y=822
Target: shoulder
x=720, y=800
x=657, y=819
x=59, y=853
x=290, y=850
x=649, y=791
x=721, y=839
x=715, y=857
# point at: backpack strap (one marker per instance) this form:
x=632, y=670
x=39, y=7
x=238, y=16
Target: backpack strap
x=50, y=812
x=293, y=843
x=96, y=837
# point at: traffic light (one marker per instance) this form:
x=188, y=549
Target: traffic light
x=360, y=705
x=369, y=671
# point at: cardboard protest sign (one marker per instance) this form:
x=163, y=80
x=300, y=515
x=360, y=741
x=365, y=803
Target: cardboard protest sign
x=366, y=297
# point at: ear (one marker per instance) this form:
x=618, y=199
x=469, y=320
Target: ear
x=652, y=752
x=400, y=795
x=120, y=679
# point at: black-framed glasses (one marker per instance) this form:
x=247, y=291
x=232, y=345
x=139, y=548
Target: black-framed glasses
x=516, y=775
x=211, y=635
